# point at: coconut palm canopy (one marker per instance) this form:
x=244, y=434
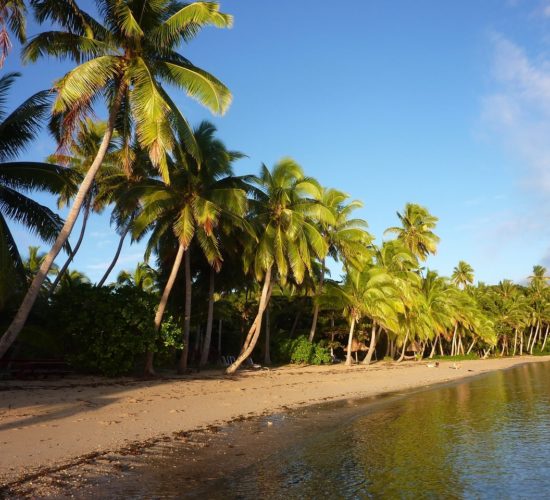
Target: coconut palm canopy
x=250, y=250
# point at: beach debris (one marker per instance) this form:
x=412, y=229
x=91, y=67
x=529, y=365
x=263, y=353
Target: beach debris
x=455, y=366
x=433, y=365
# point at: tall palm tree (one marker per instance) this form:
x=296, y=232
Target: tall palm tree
x=12, y=16
x=125, y=57
x=284, y=211
x=416, y=230
x=347, y=239
x=17, y=179
x=463, y=274
x=200, y=199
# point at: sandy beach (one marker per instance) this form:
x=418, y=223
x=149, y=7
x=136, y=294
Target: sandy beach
x=47, y=424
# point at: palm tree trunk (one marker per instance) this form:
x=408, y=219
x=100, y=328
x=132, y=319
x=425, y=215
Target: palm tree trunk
x=209, y=319
x=521, y=343
x=543, y=346
x=267, y=355
x=117, y=255
x=295, y=324
x=471, y=346
x=182, y=368
x=63, y=270
x=149, y=370
x=460, y=345
x=529, y=340
x=28, y=302
x=534, y=338
x=349, y=360
x=453, y=344
x=372, y=345
x=316, y=307
x=434, y=346
x=402, y=357
x=515, y=340
x=254, y=331
x=220, y=337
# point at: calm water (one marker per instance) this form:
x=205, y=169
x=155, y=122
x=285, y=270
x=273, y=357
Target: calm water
x=486, y=438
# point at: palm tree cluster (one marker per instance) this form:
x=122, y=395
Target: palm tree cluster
x=243, y=244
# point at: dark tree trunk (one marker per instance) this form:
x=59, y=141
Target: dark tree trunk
x=117, y=255
x=210, y=318
x=182, y=368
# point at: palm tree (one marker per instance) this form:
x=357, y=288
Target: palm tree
x=143, y=277
x=73, y=279
x=463, y=275
x=368, y=293
x=34, y=260
x=440, y=304
x=17, y=179
x=125, y=58
x=12, y=15
x=284, y=211
x=416, y=230
x=347, y=239
x=201, y=199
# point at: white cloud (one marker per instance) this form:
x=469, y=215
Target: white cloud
x=517, y=113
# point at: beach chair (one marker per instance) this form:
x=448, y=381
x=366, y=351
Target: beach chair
x=249, y=363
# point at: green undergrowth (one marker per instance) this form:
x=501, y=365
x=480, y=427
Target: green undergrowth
x=460, y=357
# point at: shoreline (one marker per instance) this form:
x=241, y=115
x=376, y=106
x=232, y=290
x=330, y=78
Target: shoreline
x=48, y=426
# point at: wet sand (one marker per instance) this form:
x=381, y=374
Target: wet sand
x=48, y=426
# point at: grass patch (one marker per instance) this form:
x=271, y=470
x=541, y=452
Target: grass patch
x=460, y=357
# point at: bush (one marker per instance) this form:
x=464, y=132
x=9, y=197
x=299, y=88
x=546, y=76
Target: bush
x=300, y=350
x=104, y=330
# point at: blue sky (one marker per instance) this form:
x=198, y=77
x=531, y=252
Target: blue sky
x=446, y=104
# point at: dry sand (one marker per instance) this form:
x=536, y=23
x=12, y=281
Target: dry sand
x=51, y=423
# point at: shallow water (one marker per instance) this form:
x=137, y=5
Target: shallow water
x=488, y=437
x=485, y=438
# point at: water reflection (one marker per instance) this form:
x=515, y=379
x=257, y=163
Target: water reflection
x=481, y=439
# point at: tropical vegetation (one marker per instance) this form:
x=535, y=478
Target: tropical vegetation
x=235, y=266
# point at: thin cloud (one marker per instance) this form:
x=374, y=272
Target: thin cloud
x=517, y=113
x=132, y=258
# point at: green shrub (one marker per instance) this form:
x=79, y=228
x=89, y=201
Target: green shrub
x=300, y=350
x=104, y=330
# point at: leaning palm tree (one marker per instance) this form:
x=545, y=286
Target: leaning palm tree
x=17, y=179
x=124, y=57
x=416, y=230
x=347, y=239
x=200, y=200
x=12, y=16
x=285, y=211
x=81, y=154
